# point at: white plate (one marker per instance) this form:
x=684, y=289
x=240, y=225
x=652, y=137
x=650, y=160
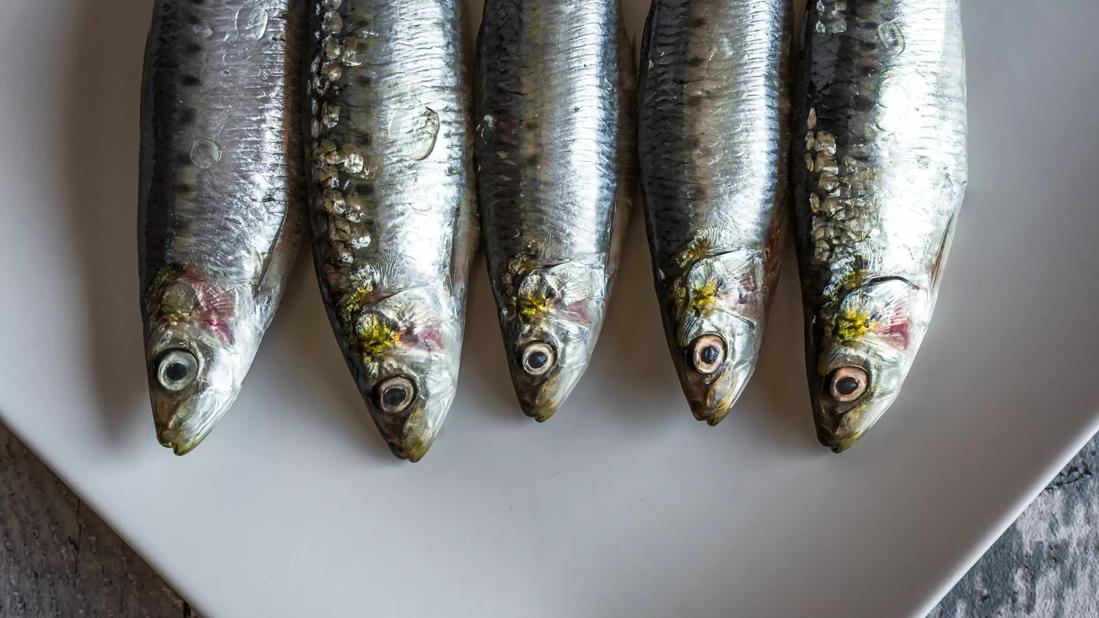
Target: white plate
x=621, y=505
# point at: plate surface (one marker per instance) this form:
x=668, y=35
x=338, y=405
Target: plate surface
x=622, y=505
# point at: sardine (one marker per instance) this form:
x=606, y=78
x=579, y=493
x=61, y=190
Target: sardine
x=391, y=202
x=220, y=199
x=880, y=173
x=714, y=134
x=555, y=159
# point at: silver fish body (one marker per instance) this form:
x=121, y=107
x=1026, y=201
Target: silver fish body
x=391, y=202
x=880, y=173
x=555, y=162
x=713, y=139
x=220, y=207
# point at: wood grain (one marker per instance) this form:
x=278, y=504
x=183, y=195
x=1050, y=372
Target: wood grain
x=58, y=559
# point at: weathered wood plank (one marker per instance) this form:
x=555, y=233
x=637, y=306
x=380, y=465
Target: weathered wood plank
x=58, y=559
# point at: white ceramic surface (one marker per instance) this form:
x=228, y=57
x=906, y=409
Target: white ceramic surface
x=622, y=505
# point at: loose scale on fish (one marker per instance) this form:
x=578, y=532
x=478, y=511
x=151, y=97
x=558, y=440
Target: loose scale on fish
x=391, y=202
x=880, y=173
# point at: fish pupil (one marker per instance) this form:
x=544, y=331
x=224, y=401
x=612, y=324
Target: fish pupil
x=537, y=360
x=710, y=354
x=847, y=386
x=175, y=372
x=394, y=396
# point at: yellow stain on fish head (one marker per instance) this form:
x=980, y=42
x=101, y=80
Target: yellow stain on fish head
x=853, y=279
x=704, y=297
x=853, y=324
x=533, y=305
x=354, y=302
x=374, y=337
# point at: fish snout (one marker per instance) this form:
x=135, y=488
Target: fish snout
x=540, y=400
x=712, y=399
x=835, y=429
x=544, y=374
x=415, y=438
x=193, y=381
x=408, y=436
x=182, y=423
x=714, y=370
x=409, y=413
x=838, y=440
x=851, y=389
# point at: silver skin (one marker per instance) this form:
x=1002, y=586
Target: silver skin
x=555, y=161
x=391, y=204
x=880, y=173
x=220, y=208
x=713, y=136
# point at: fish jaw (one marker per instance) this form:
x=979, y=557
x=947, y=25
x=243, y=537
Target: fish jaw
x=868, y=339
x=540, y=398
x=182, y=424
x=712, y=397
x=712, y=394
x=201, y=338
x=412, y=336
x=714, y=313
x=570, y=343
x=183, y=418
x=407, y=343
x=550, y=321
x=566, y=332
x=410, y=435
x=839, y=427
x=411, y=432
x=840, y=424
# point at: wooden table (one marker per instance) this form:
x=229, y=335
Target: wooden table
x=57, y=558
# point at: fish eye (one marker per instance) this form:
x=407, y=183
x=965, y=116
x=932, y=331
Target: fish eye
x=538, y=358
x=708, y=354
x=848, y=384
x=176, y=370
x=395, y=394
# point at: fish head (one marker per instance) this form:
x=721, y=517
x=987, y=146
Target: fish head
x=716, y=308
x=404, y=351
x=197, y=353
x=866, y=348
x=550, y=324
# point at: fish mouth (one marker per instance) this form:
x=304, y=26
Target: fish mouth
x=410, y=435
x=837, y=440
x=181, y=443
x=540, y=400
x=414, y=441
x=713, y=397
x=839, y=427
x=410, y=440
x=714, y=359
x=714, y=369
x=183, y=425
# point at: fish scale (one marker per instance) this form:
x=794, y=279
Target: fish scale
x=713, y=141
x=555, y=165
x=880, y=174
x=220, y=199
x=391, y=203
